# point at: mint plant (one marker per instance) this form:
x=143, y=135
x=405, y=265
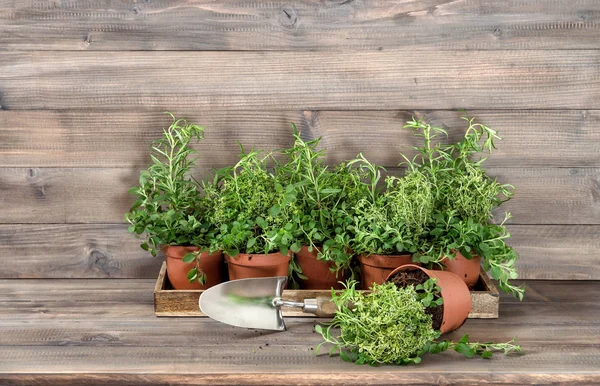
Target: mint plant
x=169, y=208
x=390, y=326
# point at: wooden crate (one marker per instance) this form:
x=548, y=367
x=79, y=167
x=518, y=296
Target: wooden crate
x=170, y=302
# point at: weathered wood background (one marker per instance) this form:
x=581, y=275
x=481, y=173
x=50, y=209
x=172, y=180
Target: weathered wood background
x=83, y=84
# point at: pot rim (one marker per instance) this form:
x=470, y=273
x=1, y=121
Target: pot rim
x=234, y=261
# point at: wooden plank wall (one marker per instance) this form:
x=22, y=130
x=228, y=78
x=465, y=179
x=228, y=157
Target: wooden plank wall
x=83, y=84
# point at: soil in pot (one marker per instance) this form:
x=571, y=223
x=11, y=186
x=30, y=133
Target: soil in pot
x=245, y=265
x=318, y=271
x=376, y=268
x=403, y=279
x=177, y=270
x=457, y=299
x=467, y=270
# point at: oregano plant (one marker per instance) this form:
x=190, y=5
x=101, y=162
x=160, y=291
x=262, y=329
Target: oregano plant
x=325, y=200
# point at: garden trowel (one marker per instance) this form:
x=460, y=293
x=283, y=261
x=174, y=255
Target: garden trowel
x=256, y=303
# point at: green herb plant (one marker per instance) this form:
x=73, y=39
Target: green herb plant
x=463, y=198
x=252, y=208
x=390, y=326
x=326, y=198
x=169, y=208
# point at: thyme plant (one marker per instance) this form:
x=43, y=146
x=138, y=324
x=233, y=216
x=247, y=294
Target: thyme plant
x=390, y=326
x=252, y=208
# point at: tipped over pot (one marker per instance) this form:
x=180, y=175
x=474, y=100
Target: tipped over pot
x=177, y=270
x=454, y=291
x=376, y=268
x=249, y=265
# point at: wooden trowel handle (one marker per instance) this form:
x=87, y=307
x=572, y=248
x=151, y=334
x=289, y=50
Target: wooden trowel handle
x=322, y=306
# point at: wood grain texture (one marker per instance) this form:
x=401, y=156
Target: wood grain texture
x=90, y=195
x=78, y=251
x=108, y=251
x=112, y=336
x=274, y=379
x=170, y=302
x=298, y=25
x=385, y=80
x=81, y=138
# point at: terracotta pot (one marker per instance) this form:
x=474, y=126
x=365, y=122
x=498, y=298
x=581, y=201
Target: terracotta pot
x=318, y=272
x=177, y=270
x=376, y=268
x=457, y=299
x=244, y=265
x=467, y=270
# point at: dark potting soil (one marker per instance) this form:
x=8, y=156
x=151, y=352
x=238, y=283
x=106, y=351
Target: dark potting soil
x=416, y=277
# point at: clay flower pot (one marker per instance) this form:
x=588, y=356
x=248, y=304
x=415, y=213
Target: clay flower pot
x=177, y=270
x=318, y=272
x=467, y=270
x=245, y=265
x=457, y=299
x=376, y=268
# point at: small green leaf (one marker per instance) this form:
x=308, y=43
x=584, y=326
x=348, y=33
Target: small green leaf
x=345, y=357
x=318, y=348
x=189, y=257
x=275, y=209
x=465, y=350
x=250, y=243
x=496, y=272
x=486, y=354
x=330, y=191
x=192, y=274
x=296, y=247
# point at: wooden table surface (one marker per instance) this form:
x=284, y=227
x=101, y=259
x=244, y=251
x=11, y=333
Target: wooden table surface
x=104, y=331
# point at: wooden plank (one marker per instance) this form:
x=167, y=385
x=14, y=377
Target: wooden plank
x=383, y=80
x=408, y=377
x=297, y=25
x=73, y=251
x=92, y=342
x=78, y=138
x=558, y=330
x=118, y=331
x=557, y=252
x=108, y=251
x=299, y=360
x=89, y=195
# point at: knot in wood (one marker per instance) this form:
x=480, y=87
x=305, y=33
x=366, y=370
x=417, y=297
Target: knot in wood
x=288, y=16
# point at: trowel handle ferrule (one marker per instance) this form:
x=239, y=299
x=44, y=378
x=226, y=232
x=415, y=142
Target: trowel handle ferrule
x=322, y=306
